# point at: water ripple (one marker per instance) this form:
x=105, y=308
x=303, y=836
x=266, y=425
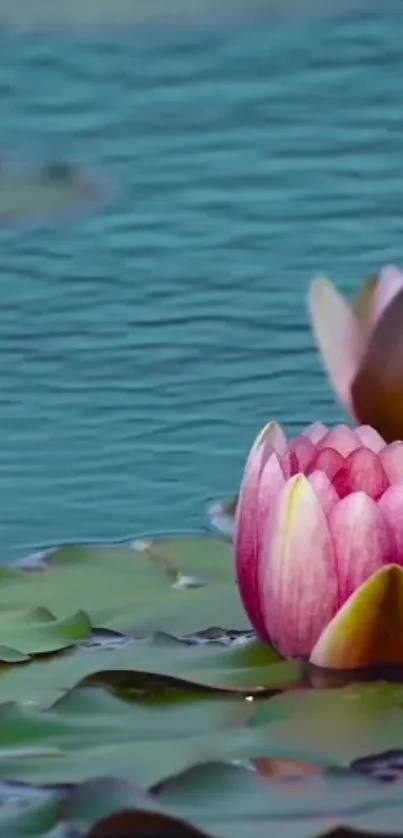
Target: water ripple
x=141, y=348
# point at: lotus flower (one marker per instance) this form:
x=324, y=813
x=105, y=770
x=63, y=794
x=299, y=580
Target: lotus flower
x=319, y=545
x=362, y=348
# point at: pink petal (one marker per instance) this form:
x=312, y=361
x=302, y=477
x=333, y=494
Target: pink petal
x=342, y=438
x=316, y=432
x=362, y=540
x=391, y=505
x=304, y=450
x=362, y=471
x=327, y=460
x=272, y=437
x=392, y=460
x=271, y=482
x=338, y=336
x=370, y=438
x=247, y=519
x=289, y=464
x=324, y=490
x=297, y=570
x=389, y=285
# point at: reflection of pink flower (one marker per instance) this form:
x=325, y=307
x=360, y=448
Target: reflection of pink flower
x=319, y=545
x=362, y=348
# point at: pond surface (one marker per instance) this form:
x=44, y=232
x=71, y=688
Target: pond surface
x=142, y=346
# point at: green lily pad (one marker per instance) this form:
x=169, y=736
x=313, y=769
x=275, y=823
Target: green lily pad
x=49, y=192
x=230, y=801
x=334, y=726
x=134, y=591
x=251, y=669
x=100, y=808
x=148, y=737
x=91, y=732
x=157, y=681
x=212, y=799
x=39, y=632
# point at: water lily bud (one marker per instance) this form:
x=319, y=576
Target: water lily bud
x=319, y=545
x=362, y=348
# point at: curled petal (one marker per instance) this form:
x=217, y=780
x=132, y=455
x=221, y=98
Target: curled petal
x=362, y=540
x=368, y=629
x=337, y=334
x=392, y=460
x=342, y=438
x=362, y=470
x=391, y=505
x=370, y=438
x=297, y=574
x=390, y=283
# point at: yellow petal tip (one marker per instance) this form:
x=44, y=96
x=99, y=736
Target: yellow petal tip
x=368, y=630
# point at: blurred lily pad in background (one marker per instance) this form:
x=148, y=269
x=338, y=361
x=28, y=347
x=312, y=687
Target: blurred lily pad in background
x=33, y=14
x=135, y=699
x=48, y=192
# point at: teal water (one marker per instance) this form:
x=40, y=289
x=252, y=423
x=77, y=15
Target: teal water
x=142, y=346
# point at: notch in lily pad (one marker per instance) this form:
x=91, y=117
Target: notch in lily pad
x=189, y=562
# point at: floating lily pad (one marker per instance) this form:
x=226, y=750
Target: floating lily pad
x=91, y=732
x=335, y=726
x=135, y=591
x=129, y=666
x=148, y=665
x=38, y=632
x=104, y=808
x=216, y=799
x=233, y=800
x=47, y=192
x=149, y=736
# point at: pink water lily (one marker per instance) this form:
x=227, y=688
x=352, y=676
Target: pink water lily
x=362, y=348
x=319, y=545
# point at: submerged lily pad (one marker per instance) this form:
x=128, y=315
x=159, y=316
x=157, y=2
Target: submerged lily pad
x=35, y=194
